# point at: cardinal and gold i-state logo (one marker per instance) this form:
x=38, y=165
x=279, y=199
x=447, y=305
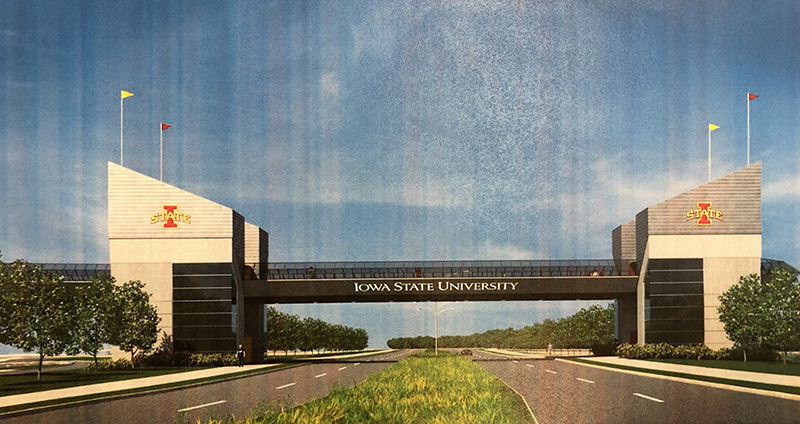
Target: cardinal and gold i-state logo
x=704, y=214
x=170, y=217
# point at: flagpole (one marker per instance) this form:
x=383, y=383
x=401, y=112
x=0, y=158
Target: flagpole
x=161, y=131
x=122, y=95
x=711, y=127
x=709, y=153
x=121, y=98
x=748, y=129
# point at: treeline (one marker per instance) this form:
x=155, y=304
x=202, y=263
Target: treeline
x=288, y=332
x=38, y=312
x=591, y=327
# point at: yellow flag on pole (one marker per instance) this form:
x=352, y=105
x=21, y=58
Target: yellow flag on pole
x=126, y=94
x=712, y=127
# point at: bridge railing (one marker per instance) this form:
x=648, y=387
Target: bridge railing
x=462, y=269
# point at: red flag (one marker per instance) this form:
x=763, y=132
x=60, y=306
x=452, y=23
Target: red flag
x=165, y=126
x=751, y=96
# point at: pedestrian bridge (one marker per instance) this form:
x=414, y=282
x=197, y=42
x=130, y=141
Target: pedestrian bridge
x=327, y=282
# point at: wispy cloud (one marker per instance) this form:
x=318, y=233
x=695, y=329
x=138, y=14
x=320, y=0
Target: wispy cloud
x=785, y=189
x=496, y=251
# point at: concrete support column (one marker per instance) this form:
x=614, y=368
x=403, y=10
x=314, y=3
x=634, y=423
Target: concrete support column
x=626, y=326
x=254, y=333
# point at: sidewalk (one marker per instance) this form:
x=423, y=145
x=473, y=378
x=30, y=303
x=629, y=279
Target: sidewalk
x=137, y=383
x=746, y=376
x=142, y=383
x=514, y=354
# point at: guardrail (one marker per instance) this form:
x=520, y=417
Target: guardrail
x=560, y=352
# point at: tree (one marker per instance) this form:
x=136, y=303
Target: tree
x=783, y=317
x=739, y=312
x=135, y=320
x=92, y=320
x=274, y=334
x=765, y=313
x=38, y=312
x=592, y=327
x=8, y=293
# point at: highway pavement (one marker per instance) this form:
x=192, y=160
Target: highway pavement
x=234, y=397
x=559, y=391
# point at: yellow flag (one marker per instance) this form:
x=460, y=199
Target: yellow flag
x=712, y=127
x=126, y=94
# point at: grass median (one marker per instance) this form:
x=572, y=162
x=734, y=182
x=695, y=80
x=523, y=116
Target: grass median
x=442, y=389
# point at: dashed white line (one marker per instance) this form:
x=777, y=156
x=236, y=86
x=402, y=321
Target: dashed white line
x=342, y=368
x=202, y=406
x=321, y=375
x=551, y=372
x=285, y=386
x=648, y=397
x=585, y=380
x=529, y=365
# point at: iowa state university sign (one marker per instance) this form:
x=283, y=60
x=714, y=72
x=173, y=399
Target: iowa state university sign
x=438, y=286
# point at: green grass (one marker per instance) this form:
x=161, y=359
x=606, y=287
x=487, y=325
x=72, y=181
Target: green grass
x=53, y=379
x=443, y=389
x=752, y=366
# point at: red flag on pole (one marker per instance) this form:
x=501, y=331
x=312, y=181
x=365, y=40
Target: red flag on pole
x=164, y=126
x=751, y=96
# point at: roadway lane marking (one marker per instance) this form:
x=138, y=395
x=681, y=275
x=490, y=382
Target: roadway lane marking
x=202, y=406
x=285, y=386
x=357, y=364
x=342, y=368
x=529, y=365
x=585, y=380
x=551, y=372
x=321, y=375
x=515, y=361
x=648, y=397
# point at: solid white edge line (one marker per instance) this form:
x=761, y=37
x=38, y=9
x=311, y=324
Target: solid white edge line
x=648, y=397
x=585, y=380
x=523, y=400
x=202, y=406
x=321, y=375
x=285, y=386
x=780, y=395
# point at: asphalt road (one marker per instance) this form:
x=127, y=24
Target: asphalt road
x=566, y=392
x=237, y=397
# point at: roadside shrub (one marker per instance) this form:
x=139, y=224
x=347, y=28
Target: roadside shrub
x=206, y=360
x=725, y=354
x=757, y=353
x=699, y=351
x=187, y=359
x=109, y=365
x=603, y=349
x=164, y=358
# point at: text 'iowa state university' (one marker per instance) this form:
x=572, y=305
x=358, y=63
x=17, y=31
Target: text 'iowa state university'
x=441, y=286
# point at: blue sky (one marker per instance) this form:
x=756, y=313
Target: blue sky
x=372, y=130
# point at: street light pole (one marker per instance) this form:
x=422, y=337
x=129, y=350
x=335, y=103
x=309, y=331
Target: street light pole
x=436, y=330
